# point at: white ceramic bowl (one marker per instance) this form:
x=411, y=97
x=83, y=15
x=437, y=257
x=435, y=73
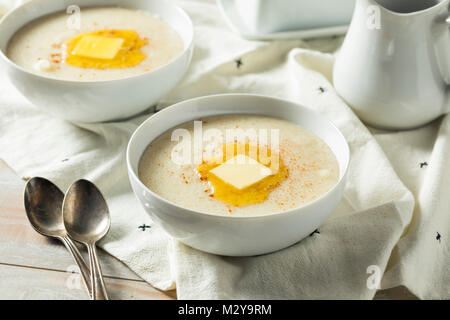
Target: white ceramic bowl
x=265, y=16
x=96, y=101
x=234, y=235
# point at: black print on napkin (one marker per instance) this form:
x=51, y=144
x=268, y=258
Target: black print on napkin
x=322, y=90
x=239, y=63
x=438, y=237
x=315, y=231
x=144, y=227
x=423, y=164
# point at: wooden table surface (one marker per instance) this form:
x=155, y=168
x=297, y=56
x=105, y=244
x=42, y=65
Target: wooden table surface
x=35, y=267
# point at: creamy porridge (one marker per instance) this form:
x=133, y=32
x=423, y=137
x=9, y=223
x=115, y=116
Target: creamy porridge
x=305, y=169
x=110, y=43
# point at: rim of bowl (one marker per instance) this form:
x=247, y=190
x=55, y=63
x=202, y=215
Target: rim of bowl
x=80, y=82
x=341, y=180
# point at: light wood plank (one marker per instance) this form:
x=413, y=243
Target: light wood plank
x=37, y=284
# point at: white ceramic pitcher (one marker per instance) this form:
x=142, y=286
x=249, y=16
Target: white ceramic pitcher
x=394, y=65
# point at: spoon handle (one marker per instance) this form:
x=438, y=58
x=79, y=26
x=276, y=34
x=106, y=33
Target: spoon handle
x=84, y=270
x=97, y=283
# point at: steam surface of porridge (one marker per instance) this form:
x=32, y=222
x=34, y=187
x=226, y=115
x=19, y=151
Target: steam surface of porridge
x=143, y=42
x=307, y=169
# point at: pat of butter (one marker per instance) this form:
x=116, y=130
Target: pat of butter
x=241, y=172
x=98, y=47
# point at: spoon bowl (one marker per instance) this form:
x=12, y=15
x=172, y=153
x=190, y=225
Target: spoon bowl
x=43, y=204
x=86, y=214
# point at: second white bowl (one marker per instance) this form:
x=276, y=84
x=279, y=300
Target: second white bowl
x=96, y=101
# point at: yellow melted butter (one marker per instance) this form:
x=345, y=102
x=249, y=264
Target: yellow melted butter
x=129, y=55
x=253, y=194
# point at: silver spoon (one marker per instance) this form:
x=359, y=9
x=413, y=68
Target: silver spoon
x=86, y=218
x=43, y=203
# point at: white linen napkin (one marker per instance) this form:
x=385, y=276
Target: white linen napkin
x=393, y=221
